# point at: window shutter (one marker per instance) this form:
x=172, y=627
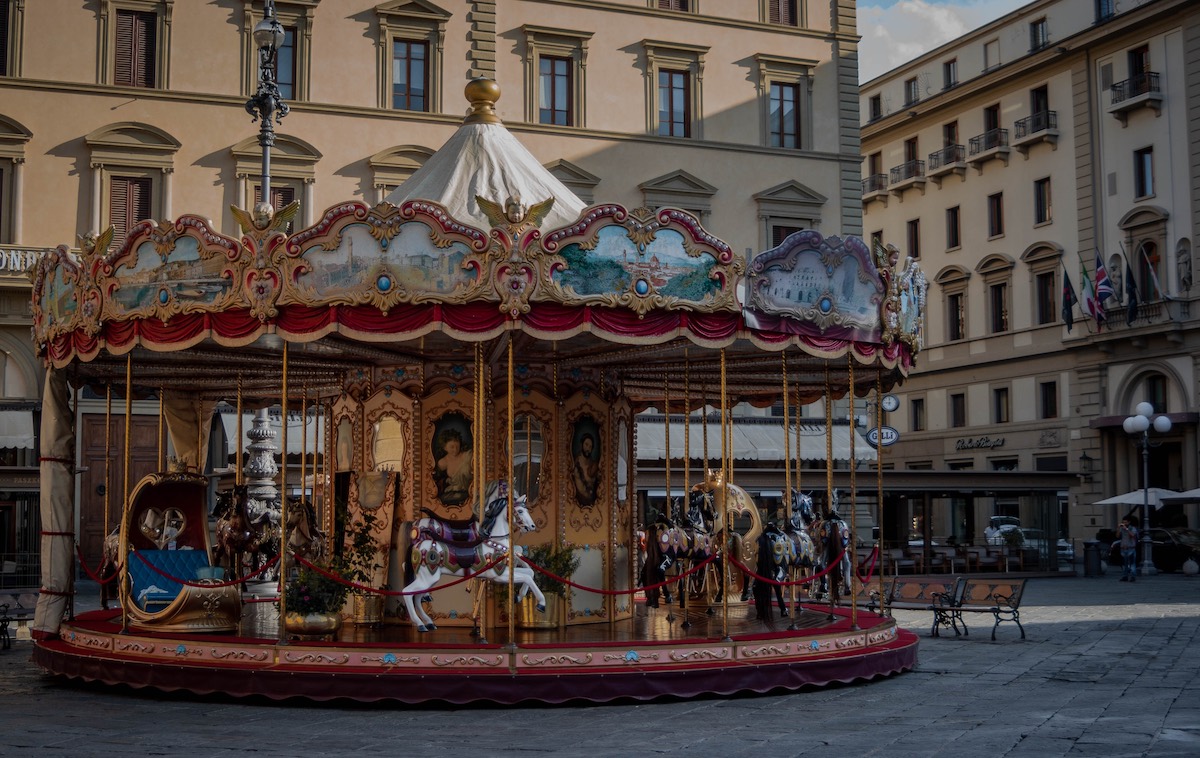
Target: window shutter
x=134, y=52
x=146, y=49
x=3, y=37
x=118, y=208
x=280, y=196
x=123, y=52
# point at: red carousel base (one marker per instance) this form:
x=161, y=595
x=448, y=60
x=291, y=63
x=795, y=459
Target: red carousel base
x=646, y=657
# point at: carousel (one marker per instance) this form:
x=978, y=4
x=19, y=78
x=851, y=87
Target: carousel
x=468, y=360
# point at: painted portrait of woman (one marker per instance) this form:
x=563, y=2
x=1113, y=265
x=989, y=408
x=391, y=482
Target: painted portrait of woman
x=585, y=460
x=452, y=472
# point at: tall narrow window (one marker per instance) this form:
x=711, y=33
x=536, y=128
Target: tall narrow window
x=674, y=119
x=285, y=64
x=784, y=115
x=950, y=134
x=953, y=229
x=998, y=304
x=280, y=197
x=991, y=54
x=1105, y=9
x=1039, y=102
x=1143, y=172
x=956, y=328
x=875, y=107
x=135, y=48
x=1147, y=267
x=912, y=91
x=1041, y=201
x=1039, y=34
x=917, y=413
x=1156, y=392
x=950, y=73
x=958, y=410
x=1000, y=405
x=914, y=238
x=1049, y=399
x=995, y=207
x=911, y=150
x=991, y=118
x=783, y=12
x=876, y=240
x=4, y=47
x=128, y=203
x=554, y=85
x=410, y=74
x=1046, y=284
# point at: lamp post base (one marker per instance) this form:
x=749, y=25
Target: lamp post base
x=1147, y=569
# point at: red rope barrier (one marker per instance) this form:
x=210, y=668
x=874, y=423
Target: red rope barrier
x=187, y=583
x=45, y=533
x=396, y=593
x=805, y=580
x=91, y=574
x=633, y=591
x=870, y=569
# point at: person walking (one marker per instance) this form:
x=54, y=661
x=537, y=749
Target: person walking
x=1128, y=536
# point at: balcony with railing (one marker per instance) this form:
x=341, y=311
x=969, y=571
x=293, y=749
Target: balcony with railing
x=875, y=187
x=1034, y=128
x=951, y=159
x=907, y=175
x=1139, y=91
x=989, y=146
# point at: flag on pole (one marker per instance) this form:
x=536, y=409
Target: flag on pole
x=1068, y=301
x=1104, y=288
x=1153, y=274
x=1090, y=304
x=1131, y=296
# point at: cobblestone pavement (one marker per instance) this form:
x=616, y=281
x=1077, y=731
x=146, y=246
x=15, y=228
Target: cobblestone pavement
x=1108, y=669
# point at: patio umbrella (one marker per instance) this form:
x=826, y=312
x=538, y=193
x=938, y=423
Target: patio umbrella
x=1187, y=496
x=1137, y=497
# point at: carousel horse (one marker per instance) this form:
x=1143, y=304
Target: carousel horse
x=828, y=535
x=731, y=500
x=776, y=555
x=430, y=557
x=237, y=536
x=305, y=539
x=672, y=541
x=110, y=564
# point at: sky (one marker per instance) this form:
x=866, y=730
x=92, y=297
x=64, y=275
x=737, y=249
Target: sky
x=896, y=31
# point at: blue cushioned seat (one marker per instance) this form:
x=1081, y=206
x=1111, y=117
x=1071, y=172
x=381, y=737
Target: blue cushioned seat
x=152, y=588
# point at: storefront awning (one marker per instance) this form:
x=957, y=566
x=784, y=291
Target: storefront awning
x=16, y=429
x=752, y=441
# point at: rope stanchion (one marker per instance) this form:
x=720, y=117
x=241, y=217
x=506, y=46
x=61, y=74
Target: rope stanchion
x=187, y=583
x=92, y=574
x=805, y=580
x=870, y=569
x=398, y=593
x=633, y=591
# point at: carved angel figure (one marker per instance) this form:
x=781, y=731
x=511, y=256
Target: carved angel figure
x=514, y=214
x=90, y=242
x=264, y=217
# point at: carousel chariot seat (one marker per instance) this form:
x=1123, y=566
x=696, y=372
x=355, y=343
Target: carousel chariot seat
x=151, y=588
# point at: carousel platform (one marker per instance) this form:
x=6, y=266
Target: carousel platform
x=651, y=655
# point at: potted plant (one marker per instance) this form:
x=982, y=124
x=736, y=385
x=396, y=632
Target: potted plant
x=313, y=601
x=362, y=560
x=561, y=563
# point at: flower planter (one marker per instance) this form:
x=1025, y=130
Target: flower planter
x=367, y=609
x=528, y=616
x=312, y=624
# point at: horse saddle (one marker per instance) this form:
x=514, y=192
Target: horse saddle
x=458, y=537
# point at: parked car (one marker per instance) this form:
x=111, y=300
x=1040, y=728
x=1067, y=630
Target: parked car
x=1170, y=548
x=993, y=534
x=1034, y=540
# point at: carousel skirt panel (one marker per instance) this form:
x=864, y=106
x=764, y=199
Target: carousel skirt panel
x=649, y=656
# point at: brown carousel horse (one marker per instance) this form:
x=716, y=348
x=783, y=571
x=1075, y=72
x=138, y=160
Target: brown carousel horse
x=304, y=537
x=239, y=538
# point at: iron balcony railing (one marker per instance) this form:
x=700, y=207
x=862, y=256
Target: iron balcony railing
x=909, y=170
x=1138, y=84
x=874, y=183
x=948, y=155
x=989, y=140
x=1037, y=122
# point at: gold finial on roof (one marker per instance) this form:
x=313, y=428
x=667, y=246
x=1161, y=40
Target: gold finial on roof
x=482, y=93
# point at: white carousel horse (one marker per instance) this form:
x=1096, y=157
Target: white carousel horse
x=432, y=556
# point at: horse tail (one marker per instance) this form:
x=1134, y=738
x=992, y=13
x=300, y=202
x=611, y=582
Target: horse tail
x=404, y=551
x=652, y=572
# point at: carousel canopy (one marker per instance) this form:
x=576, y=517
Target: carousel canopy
x=752, y=441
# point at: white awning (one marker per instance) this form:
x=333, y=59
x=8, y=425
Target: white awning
x=16, y=429
x=296, y=438
x=752, y=441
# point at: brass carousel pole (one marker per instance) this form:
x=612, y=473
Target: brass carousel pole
x=727, y=522
x=667, y=440
x=512, y=537
x=107, y=451
x=786, y=511
x=159, y=436
x=303, y=445
x=283, y=501
x=849, y=581
x=125, y=488
x=879, y=486
x=828, y=486
x=799, y=469
x=478, y=599
x=687, y=429
x=237, y=471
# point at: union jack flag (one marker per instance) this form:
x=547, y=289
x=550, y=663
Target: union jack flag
x=1104, y=288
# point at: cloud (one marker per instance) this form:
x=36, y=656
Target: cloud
x=893, y=33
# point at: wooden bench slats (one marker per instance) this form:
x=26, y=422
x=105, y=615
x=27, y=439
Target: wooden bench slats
x=950, y=598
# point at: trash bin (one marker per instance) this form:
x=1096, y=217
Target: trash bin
x=1091, y=558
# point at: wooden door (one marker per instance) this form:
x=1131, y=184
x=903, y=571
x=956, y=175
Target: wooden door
x=143, y=460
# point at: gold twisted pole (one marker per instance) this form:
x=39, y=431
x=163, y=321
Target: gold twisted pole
x=237, y=475
x=829, y=484
x=160, y=460
x=283, y=501
x=667, y=440
x=879, y=485
x=107, y=450
x=786, y=509
x=853, y=546
x=724, y=504
x=512, y=537
x=125, y=488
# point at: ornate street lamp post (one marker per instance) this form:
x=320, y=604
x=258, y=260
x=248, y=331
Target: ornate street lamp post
x=1138, y=426
x=268, y=37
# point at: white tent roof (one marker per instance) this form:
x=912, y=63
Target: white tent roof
x=296, y=439
x=486, y=160
x=751, y=441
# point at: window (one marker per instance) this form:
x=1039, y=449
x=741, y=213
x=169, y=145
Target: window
x=1156, y=392
x=911, y=150
x=129, y=201
x=912, y=92
x=950, y=134
x=674, y=119
x=917, y=414
x=134, y=52
x=955, y=317
x=673, y=73
x=1105, y=10
x=963, y=465
x=914, y=238
x=875, y=107
x=1147, y=265
x=780, y=232
x=1003, y=464
x=5, y=23
x=995, y=210
x=991, y=54
x=953, y=229
x=786, y=209
x=1048, y=394
x=1138, y=60
x=876, y=240
x=1143, y=172
x=293, y=166
x=1039, y=104
x=392, y=167
x=782, y=12
x=281, y=196
x=285, y=64
x=874, y=164
x=1041, y=201
x=998, y=306
x=675, y=5
x=1046, y=286
x=410, y=66
x=1039, y=34
x=950, y=73
x=991, y=117
x=409, y=56
x=958, y=410
x=554, y=91
x=1000, y=405
x=784, y=115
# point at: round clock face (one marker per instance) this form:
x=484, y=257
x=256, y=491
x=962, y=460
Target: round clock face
x=890, y=403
